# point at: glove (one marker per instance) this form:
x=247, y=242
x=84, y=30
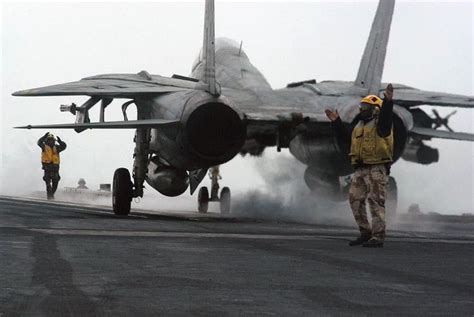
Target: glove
x=388, y=93
x=46, y=134
x=58, y=139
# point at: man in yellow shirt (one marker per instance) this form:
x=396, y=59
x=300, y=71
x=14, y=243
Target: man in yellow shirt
x=371, y=154
x=50, y=161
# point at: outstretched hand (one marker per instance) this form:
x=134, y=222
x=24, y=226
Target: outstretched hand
x=332, y=115
x=388, y=93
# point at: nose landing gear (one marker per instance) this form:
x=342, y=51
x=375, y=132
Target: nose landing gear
x=224, y=199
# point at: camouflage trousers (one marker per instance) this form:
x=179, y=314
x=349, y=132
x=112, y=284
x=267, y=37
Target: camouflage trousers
x=369, y=183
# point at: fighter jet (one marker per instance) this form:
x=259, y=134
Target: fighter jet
x=188, y=124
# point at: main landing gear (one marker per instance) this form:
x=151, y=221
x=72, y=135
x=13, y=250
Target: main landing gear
x=224, y=199
x=123, y=189
x=122, y=192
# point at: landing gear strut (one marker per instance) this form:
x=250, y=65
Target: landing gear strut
x=124, y=190
x=140, y=160
x=224, y=199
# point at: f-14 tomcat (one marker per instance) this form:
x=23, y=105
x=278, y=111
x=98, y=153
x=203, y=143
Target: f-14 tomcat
x=186, y=125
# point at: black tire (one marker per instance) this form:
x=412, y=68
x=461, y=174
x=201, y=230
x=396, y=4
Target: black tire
x=225, y=201
x=203, y=200
x=122, y=192
x=391, y=202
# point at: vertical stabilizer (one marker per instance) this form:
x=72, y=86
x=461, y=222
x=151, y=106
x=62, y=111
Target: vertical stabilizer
x=209, y=50
x=372, y=63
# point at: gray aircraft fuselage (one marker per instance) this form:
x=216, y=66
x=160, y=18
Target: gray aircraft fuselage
x=245, y=89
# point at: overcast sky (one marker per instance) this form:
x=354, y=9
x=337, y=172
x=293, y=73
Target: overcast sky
x=431, y=48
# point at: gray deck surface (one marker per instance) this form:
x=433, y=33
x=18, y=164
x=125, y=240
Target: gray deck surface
x=64, y=260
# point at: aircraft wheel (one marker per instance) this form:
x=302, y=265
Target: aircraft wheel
x=392, y=199
x=225, y=201
x=122, y=192
x=203, y=200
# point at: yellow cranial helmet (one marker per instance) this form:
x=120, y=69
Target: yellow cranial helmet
x=372, y=100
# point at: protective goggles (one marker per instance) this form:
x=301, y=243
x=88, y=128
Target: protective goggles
x=365, y=107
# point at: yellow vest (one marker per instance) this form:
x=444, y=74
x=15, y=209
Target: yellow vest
x=367, y=147
x=50, y=155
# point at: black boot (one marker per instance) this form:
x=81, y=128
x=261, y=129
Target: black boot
x=373, y=243
x=360, y=240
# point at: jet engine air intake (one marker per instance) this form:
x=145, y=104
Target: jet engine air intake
x=215, y=131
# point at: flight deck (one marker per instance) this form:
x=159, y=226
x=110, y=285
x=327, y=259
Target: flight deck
x=61, y=259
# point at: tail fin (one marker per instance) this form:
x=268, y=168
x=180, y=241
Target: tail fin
x=372, y=63
x=209, y=50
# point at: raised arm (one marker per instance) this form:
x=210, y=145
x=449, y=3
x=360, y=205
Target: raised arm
x=42, y=140
x=385, y=122
x=342, y=133
x=62, y=145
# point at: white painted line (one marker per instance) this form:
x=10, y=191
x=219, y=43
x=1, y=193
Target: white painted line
x=210, y=235
x=122, y=233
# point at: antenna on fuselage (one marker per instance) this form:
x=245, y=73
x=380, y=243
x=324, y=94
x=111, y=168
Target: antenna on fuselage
x=209, y=51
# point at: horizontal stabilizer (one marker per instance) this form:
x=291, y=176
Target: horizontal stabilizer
x=149, y=123
x=407, y=96
x=410, y=97
x=440, y=134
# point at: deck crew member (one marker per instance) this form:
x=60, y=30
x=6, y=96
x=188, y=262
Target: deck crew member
x=371, y=154
x=50, y=149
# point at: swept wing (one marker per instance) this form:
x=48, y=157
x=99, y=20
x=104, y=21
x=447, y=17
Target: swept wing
x=114, y=86
x=135, y=124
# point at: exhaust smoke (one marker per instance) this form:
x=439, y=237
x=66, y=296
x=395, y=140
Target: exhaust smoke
x=286, y=196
